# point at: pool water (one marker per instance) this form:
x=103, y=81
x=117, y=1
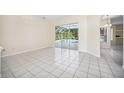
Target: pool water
x=67, y=44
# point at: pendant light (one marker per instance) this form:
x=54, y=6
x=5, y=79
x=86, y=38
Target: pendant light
x=108, y=24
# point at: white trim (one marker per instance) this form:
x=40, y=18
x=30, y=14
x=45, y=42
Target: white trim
x=93, y=54
x=123, y=66
x=0, y=60
x=89, y=53
x=82, y=51
x=123, y=42
x=29, y=50
x=1, y=48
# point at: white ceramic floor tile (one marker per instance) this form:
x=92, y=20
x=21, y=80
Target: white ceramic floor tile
x=92, y=76
x=83, y=69
x=54, y=62
x=51, y=76
x=26, y=75
x=92, y=66
x=7, y=75
x=35, y=70
x=42, y=74
x=106, y=75
x=19, y=72
x=81, y=74
x=71, y=70
x=106, y=70
x=57, y=72
x=66, y=75
x=95, y=72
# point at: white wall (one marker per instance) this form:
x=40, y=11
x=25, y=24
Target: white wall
x=89, y=36
x=0, y=59
x=93, y=35
x=123, y=42
x=23, y=33
x=0, y=29
x=0, y=44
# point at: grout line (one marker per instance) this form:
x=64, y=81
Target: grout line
x=108, y=63
x=31, y=59
x=99, y=67
x=79, y=65
x=88, y=67
x=46, y=71
x=65, y=70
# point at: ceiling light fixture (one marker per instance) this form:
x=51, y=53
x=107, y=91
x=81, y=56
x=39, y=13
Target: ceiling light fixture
x=108, y=24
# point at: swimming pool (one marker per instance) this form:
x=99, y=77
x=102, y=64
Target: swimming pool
x=67, y=44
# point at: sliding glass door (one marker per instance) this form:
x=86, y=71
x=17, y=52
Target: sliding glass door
x=67, y=36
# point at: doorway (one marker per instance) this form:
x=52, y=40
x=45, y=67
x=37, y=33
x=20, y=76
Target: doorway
x=66, y=36
x=111, y=42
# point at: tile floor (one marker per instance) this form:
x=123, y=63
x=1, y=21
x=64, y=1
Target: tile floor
x=61, y=63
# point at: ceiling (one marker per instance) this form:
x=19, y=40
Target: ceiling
x=104, y=17
x=52, y=17
x=57, y=17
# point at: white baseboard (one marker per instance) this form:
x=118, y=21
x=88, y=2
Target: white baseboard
x=93, y=54
x=82, y=51
x=29, y=50
x=12, y=54
x=89, y=53
x=123, y=66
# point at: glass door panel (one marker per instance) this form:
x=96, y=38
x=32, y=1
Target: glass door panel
x=67, y=36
